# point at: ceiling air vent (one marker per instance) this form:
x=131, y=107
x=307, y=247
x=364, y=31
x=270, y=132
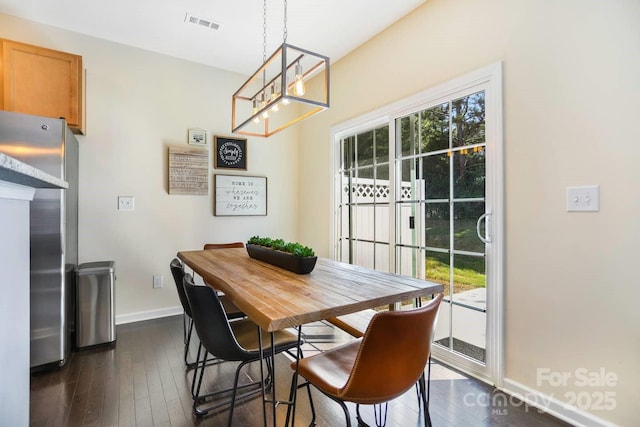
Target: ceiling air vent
x=204, y=22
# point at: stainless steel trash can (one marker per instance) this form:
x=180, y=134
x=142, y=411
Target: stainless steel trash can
x=95, y=303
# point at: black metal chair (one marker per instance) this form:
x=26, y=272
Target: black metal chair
x=236, y=341
x=177, y=271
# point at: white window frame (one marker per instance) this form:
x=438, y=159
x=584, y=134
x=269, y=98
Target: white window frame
x=489, y=79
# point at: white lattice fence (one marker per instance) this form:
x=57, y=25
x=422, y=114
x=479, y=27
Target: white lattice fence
x=370, y=221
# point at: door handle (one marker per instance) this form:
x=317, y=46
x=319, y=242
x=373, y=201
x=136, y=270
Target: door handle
x=485, y=239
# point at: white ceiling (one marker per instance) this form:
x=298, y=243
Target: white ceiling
x=328, y=27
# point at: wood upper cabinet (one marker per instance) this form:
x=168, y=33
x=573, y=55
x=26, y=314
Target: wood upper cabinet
x=45, y=82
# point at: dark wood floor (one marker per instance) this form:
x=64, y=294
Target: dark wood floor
x=142, y=381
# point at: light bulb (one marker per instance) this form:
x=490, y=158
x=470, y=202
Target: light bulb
x=255, y=111
x=299, y=86
x=285, y=101
x=275, y=108
x=274, y=94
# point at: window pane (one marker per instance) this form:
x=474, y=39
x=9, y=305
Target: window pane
x=344, y=221
x=382, y=223
x=434, y=124
x=436, y=175
x=406, y=235
x=437, y=268
x=465, y=236
x=363, y=222
x=382, y=184
x=467, y=116
x=407, y=261
x=347, y=152
x=437, y=225
x=344, y=251
x=469, y=273
x=382, y=173
x=345, y=188
x=364, y=148
x=469, y=173
x=382, y=144
x=407, y=190
x=408, y=134
x=365, y=172
x=364, y=253
x=382, y=258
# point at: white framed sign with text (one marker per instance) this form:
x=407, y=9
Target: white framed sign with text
x=237, y=195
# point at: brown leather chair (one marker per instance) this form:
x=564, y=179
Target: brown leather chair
x=382, y=365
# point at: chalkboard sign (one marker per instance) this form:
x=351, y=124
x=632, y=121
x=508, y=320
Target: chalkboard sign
x=230, y=153
x=240, y=195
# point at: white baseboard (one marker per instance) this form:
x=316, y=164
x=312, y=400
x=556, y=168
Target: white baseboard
x=148, y=315
x=553, y=406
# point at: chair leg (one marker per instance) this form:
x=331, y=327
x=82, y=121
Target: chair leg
x=196, y=395
x=379, y=414
x=184, y=327
x=187, y=342
x=195, y=371
x=291, y=414
x=219, y=395
x=347, y=415
x=425, y=402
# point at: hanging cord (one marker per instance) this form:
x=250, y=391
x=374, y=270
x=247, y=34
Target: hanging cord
x=264, y=32
x=284, y=30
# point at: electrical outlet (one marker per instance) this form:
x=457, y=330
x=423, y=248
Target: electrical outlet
x=157, y=282
x=583, y=199
x=126, y=203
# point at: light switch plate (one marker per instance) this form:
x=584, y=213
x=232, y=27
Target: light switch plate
x=583, y=199
x=157, y=282
x=126, y=203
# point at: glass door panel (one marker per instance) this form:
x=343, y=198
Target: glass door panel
x=437, y=227
x=363, y=234
x=440, y=157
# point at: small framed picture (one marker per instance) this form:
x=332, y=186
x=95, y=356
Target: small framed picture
x=230, y=153
x=197, y=137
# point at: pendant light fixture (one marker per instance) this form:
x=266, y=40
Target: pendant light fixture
x=291, y=85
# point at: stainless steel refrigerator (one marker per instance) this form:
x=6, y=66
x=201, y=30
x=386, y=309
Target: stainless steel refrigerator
x=48, y=144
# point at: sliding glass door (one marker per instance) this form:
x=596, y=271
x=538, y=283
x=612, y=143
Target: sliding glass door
x=440, y=157
x=419, y=192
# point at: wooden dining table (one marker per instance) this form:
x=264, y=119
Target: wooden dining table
x=277, y=299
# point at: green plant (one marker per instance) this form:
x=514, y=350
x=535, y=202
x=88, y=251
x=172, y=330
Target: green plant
x=280, y=245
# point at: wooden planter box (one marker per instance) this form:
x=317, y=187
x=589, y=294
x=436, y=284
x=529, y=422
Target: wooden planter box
x=296, y=264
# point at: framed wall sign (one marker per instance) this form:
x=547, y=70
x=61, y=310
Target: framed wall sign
x=230, y=153
x=237, y=195
x=197, y=137
x=188, y=171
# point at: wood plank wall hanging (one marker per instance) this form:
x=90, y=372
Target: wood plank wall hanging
x=188, y=171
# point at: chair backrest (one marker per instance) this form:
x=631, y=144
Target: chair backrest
x=392, y=355
x=223, y=245
x=177, y=271
x=211, y=322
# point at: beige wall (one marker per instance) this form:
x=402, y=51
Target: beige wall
x=571, y=90
x=570, y=118
x=138, y=103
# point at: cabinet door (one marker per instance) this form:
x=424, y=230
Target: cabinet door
x=42, y=81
